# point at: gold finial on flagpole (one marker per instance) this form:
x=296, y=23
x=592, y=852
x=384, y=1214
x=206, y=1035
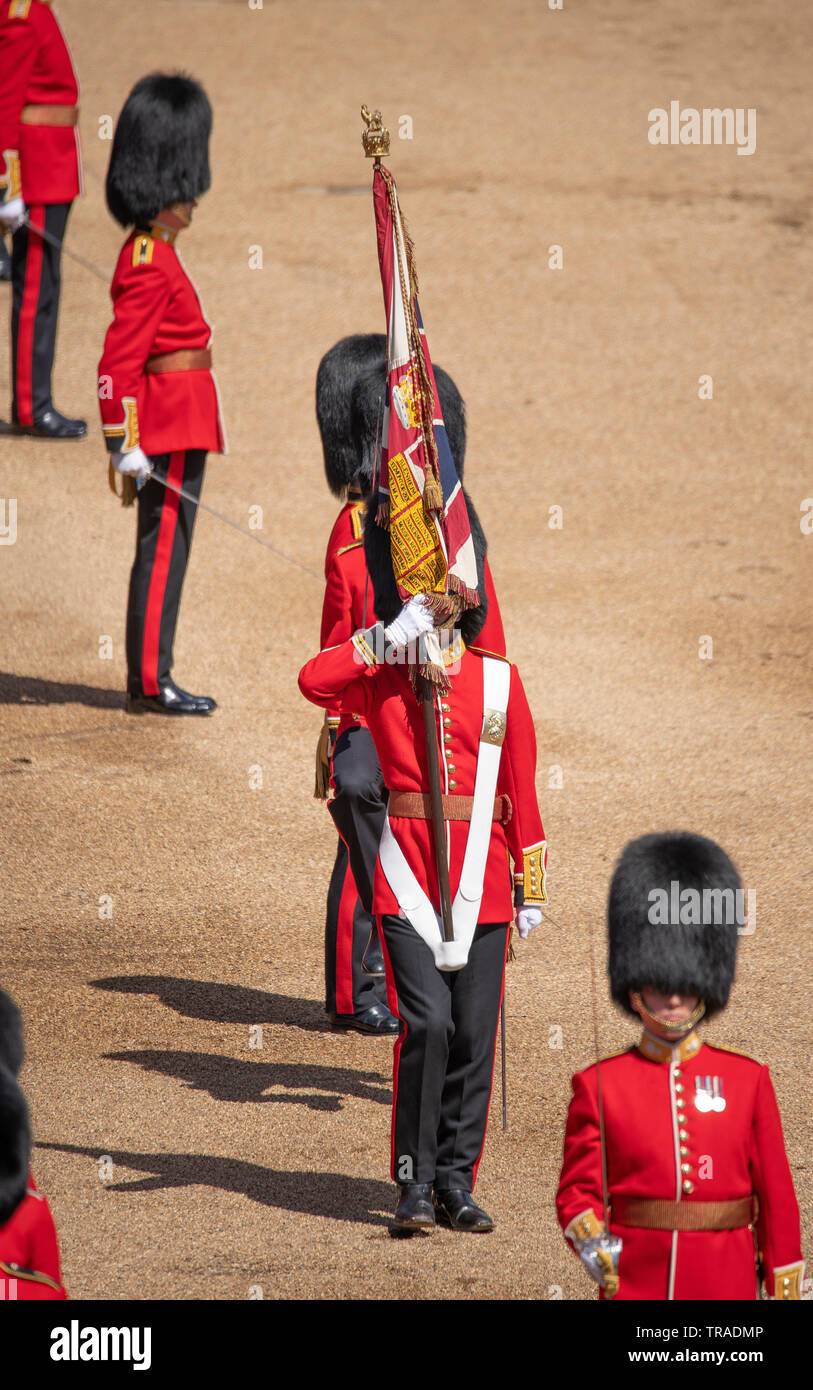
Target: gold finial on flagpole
x=376, y=138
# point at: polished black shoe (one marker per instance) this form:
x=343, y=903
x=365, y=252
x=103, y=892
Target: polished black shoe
x=372, y=962
x=5, y=261
x=456, y=1208
x=377, y=1020
x=52, y=425
x=169, y=700
x=414, y=1211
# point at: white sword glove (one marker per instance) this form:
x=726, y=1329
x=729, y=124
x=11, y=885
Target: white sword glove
x=134, y=462
x=527, y=919
x=412, y=622
x=12, y=213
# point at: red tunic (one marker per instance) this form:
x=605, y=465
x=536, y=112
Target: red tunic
x=156, y=310
x=36, y=70
x=383, y=696
x=730, y=1153
x=28, y=1239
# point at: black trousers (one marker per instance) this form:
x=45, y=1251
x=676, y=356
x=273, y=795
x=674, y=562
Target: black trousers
x=444, y=1059
x=358, y=810
x=163, y=539
x=36, y=280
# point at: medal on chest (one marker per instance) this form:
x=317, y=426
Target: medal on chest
x=708, y=1094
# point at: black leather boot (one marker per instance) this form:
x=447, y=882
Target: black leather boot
x=372, y=962
x=5, y=260
x=456, y=1208
x=52, y=425
x=169, y=700
x=376, y=1020
x=414, y=1211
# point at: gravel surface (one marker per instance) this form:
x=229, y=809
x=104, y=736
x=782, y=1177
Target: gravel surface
x=236, y=1165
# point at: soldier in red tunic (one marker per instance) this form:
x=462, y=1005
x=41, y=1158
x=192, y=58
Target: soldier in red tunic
x=29, y=1253
x=40, y=175
x=157, y=392
x=447, y=995
x=700, y=1195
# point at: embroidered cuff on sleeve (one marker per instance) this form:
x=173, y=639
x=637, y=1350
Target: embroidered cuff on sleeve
x=11, y=184
x=533, y=874
x=122, y=437
x=369, y=644
x=787, y=1282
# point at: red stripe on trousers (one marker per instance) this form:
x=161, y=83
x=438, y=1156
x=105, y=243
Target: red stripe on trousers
x=24, y=385
x=158, y=577
x=345, y=1003
x=392, y=1002
x=493, y=1059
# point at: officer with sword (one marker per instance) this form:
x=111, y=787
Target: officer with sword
x=158, y=396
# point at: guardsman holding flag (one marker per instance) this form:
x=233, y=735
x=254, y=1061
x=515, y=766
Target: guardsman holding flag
x=158, y=396
x=351, y=386
x=40, y=175
x=456, y=742
x=680, y=1143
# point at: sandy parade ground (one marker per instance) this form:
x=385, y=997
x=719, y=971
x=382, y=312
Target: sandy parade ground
x=163, y=882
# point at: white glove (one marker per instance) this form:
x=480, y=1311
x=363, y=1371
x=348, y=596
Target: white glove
x=12, y=213
x=134, y=462
x=527, y=919
x=413, y=621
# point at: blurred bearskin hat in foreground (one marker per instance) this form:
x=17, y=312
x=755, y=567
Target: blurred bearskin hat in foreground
x=351, y=385
x=160, y=152
x=674, y=908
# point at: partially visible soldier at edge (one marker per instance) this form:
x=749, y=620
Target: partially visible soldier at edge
x=29, y=1249
x=701, y=1199
x=40, y=176
x=158, y=396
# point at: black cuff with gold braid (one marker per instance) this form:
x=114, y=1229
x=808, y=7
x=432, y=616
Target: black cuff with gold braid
x=372, y=645
x=120, y=438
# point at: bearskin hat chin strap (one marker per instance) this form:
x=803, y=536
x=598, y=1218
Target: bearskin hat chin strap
x=672, y=1029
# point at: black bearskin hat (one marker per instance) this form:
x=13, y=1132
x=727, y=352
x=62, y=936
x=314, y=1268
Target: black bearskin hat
x=386, y=599
x=679, y=945
x=351, y=387
x=15, y=1131
x=160, y=150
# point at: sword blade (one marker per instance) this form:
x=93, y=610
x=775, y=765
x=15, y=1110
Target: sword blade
x=221, y=516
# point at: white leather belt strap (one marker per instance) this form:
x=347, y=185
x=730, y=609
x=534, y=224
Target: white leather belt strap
x=413, y=901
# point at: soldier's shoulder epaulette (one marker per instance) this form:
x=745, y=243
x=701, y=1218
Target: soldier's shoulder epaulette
x=735, y=1052
x=483, y=651
x=590, y=1066
x=354, y=545
x=19, y=9
x=143, y=249
x=357, y=520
